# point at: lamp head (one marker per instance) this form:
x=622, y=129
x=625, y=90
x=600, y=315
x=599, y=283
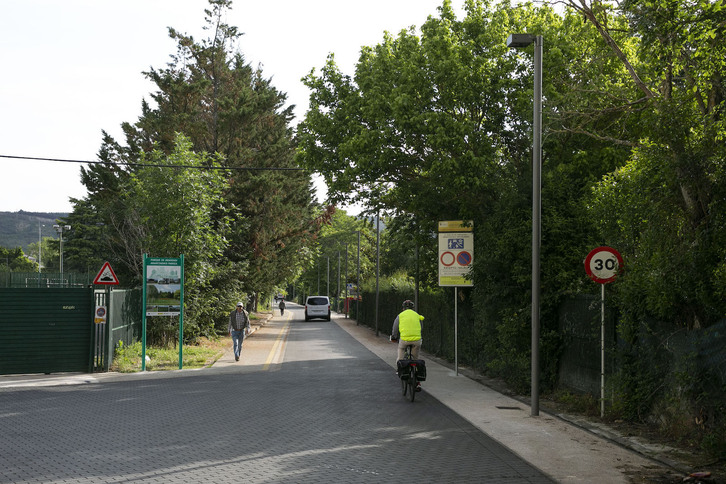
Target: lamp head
x=520, y=40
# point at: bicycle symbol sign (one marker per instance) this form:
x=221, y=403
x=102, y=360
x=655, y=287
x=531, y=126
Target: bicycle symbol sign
x=456, y=243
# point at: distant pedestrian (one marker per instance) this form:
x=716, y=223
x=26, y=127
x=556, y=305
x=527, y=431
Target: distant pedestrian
x=239, y=321
x=282, y=307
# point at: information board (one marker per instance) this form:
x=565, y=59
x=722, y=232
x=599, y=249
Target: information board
x=456, y=253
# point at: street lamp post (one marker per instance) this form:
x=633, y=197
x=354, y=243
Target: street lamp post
x=357, y=285
x=60, y=229
x=516, y=41
x=378, y=263
x=40, y=249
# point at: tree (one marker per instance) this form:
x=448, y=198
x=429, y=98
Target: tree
x=214, y=97
x=14, y=260
x=169, y=208
x=438, y=127
x=337, y=230
x=223, y=107
x=662, y=208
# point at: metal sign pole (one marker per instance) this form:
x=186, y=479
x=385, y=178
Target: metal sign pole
x=181, y=312
x=143, y=317
x=456, y=332
x=602, y=265
x=602, y=350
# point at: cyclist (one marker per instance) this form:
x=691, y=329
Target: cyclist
x=407, y=330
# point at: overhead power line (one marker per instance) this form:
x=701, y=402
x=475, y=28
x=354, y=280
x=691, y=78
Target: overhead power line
x=234, y=168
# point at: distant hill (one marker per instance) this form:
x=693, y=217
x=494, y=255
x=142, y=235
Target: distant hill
x=20, y=229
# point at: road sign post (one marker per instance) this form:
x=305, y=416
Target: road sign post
x=456, y=255
x=602, y=265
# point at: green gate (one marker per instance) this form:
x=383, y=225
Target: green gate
x=46, y=330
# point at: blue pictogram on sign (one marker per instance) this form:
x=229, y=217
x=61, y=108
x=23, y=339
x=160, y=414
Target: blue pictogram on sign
x=456, y=243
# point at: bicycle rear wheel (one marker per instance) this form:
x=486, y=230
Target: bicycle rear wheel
x=412, y=383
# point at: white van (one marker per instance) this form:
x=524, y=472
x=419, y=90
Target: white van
x=317, y=307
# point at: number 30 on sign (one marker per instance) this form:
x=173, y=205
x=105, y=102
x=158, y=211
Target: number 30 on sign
x=603, y=264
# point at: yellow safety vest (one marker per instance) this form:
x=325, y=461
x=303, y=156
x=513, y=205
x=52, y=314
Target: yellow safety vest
x=409, y=325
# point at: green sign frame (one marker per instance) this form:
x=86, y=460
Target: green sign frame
x=163, y=295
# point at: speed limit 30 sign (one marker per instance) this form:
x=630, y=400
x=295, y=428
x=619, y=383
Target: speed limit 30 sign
x=603, y=264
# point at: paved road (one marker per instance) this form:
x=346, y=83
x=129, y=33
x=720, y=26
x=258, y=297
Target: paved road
x=306, y=403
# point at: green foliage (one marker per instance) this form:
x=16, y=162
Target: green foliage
x=436, y=126
x=212, y=176
x=13, y=260
x=320, y=266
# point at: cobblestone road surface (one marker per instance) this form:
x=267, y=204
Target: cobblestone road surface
x=320, y=409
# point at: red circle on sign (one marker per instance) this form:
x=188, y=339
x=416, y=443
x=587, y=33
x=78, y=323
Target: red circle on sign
x=603, y=255
x=463, y=258
x=100, y=312
x=449, y=256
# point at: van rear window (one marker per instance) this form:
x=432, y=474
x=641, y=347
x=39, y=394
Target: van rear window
x=318, y=301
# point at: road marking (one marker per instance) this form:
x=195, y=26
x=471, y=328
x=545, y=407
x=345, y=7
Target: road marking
x=276, y=351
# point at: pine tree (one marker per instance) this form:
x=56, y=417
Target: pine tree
x=222, y=105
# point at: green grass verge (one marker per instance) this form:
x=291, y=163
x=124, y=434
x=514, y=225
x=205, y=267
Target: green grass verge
x=128, y=358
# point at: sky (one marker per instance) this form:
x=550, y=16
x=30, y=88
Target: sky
x=73, y=68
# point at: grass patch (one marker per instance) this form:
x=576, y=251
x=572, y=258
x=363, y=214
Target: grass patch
x=127, y=359
x=584, y=404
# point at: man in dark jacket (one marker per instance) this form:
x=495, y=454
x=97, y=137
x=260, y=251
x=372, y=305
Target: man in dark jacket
x=239, y=321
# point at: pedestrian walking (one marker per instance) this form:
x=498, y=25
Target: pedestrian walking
x=282, y=307
x=239, y=321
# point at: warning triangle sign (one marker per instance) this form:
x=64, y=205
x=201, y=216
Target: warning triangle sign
x=106, y=275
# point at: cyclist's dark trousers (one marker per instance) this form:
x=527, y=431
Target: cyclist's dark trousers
x=414, y=351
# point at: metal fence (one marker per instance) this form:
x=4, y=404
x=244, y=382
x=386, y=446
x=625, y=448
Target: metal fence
x=123, y=324
x=125, y=317
x=44, y=279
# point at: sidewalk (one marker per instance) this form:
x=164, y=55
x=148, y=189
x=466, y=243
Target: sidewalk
x=567, y=452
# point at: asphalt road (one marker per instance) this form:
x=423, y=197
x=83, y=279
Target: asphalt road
x=306, y=403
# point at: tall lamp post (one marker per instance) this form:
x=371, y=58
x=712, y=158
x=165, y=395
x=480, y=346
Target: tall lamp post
x=40, y=249
x=517, y=41
x=357, y=285
x=60, y=229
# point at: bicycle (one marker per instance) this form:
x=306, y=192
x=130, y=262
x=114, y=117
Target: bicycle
x=411, y=372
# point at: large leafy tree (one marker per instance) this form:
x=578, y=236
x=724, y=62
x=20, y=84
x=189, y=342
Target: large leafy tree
x=223, y=106
x=663, y=208
x=438, y=127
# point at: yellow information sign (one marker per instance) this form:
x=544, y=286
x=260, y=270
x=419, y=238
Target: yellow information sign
x=456, y=226
x=456, y=252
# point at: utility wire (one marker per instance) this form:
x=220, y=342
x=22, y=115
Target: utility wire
x=234, y=168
